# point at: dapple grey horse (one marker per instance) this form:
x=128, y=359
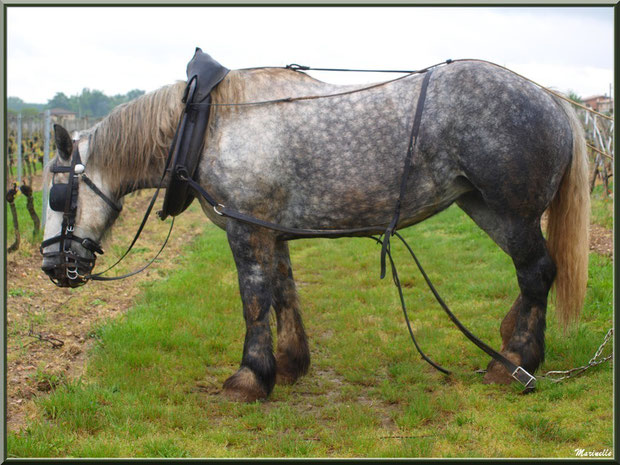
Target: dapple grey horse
x=500, y=147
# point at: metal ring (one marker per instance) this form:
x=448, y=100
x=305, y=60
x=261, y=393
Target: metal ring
x=215, y=209
x=72, y=273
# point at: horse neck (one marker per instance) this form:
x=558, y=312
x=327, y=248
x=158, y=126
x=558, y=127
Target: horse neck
x=129, y=147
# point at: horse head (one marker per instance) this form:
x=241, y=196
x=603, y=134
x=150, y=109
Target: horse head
x=81, y=208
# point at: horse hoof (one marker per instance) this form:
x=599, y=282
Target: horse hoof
x=497, y=373
x=244, y=386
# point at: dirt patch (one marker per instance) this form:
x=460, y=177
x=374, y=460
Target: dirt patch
x=601, y=239
x=50, y=329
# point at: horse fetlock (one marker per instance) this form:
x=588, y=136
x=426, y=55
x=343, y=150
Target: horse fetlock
x=507, y=327
x=531, y=351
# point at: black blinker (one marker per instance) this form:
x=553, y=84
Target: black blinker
x=58, y=197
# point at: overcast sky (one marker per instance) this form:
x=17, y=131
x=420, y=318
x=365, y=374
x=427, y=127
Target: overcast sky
x=117, y=49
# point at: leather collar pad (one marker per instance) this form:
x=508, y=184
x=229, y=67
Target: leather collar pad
x=203, y=74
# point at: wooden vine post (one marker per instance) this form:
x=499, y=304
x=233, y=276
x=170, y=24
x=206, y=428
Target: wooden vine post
x=11, y=153
x=27, y=191
x=26, y=155
x=10, y=197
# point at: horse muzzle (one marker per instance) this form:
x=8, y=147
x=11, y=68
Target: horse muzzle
x=67, y=269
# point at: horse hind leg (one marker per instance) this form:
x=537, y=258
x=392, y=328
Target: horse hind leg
x=292, y=354
x=535, y=274
x=523, y=327
x=253, y=250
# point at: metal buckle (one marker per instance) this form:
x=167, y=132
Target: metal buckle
x=519, y=373
x=216, y=210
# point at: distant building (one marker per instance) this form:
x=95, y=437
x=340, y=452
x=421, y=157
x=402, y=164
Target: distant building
x=60, y=115
x=600, y=103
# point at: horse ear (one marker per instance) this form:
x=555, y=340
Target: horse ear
x=63, y=141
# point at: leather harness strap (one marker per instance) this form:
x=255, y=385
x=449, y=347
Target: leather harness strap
x=417, y=120
x=294, y=233
x=203, y=74
x=517, y=372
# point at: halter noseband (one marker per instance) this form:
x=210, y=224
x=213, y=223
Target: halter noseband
x=63, y=198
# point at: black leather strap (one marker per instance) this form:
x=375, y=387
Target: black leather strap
x=289, y=233
x=413, y=139
x=98, y=277
x=113, y=205
x=404, y=308
x=297, y=67
x=517, y=372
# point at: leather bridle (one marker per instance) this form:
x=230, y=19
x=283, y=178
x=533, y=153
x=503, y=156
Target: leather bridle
x=63, y=198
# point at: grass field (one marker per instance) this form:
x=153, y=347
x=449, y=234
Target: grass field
x=153, y=380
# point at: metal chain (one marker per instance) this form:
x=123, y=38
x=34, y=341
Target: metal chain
x=557, y=376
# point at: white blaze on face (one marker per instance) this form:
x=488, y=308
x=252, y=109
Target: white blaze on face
x=53, y=219
x=53, y=224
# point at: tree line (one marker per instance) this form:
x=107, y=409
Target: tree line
x=91, y=103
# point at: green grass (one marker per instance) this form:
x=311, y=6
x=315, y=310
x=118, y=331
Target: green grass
x=23, y=219
x=153, y=379
x=603, y=206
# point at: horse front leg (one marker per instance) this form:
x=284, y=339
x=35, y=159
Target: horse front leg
x=253, y=251
x=292, y=354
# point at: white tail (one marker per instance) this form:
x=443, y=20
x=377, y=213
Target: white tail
x=567, y=229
